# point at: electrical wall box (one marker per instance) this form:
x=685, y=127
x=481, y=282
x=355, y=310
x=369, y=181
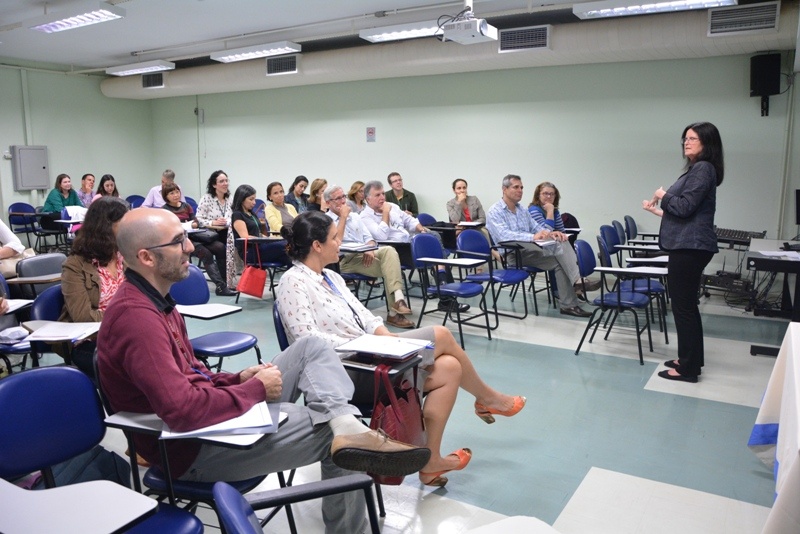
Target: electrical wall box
x=30, y=168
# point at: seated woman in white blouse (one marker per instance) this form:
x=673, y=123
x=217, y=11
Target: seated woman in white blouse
x=11, y=248
x=315, y=301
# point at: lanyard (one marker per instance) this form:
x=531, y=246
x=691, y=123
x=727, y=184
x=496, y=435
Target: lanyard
x=338, y=293
x=184, y=352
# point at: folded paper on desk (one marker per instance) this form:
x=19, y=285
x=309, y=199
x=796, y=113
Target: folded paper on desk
x=356, y=247
x=13, y=335
x=56, y=331
x=386, y=347
x=256, y=420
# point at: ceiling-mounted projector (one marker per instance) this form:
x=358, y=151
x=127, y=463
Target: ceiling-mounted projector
x=469, y=31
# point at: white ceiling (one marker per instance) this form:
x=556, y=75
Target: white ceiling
x=182, y=29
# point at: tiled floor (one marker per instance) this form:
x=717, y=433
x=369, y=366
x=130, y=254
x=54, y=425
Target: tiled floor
x=603, y=445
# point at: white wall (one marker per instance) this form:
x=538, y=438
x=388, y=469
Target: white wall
x=84, y=131
x=607, y=135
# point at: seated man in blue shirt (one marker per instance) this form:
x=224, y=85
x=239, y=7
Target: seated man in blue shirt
x=387, y=222
x=383, y=262
x=507, y=220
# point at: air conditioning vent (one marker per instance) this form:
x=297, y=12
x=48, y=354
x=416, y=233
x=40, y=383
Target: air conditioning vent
x=281, y=65
x=750, y=18
x=529, y=38
x=153, y=80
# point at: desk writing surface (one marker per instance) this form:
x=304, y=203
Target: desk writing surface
x=211, y=310
x=455, y=262
x=42, y=279
x=99, y=506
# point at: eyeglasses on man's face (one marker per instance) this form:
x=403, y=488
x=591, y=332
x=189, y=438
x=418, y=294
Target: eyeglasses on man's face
x=181, y=240
x=337, y=199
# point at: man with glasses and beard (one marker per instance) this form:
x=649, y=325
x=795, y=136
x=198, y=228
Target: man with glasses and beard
x=146, y=365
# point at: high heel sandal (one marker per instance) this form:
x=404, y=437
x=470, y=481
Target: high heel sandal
x=485, y=412
x=464, y=456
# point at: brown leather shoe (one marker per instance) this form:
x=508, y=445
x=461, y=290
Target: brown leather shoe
x=589, y=284
x=399, y=321
x=378, y=454
x=401, y=307
x=576, y=311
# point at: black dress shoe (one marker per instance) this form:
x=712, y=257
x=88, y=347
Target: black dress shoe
x=451, y=305
x=224, y=291
x=576, y=311
x=672, y=365
x=679, y=378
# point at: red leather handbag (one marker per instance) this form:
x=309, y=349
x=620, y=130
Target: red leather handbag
x=253, y=278
x=398, y=412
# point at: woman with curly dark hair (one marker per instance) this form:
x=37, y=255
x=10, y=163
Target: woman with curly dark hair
x=93, y=272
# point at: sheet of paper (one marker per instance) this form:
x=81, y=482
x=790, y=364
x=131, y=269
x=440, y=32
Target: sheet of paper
x=388, y=346
x=356, y=247
x=256, y=420
x=787, y=254
x=15, y=304
x=58, y=331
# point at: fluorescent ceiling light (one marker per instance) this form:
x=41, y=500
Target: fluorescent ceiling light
x=141, y=68
x=400, y=31
x=57, y=22
x=252, y=52
x=622, y=8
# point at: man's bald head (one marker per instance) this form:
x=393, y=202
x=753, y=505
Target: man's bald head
x=142, y=228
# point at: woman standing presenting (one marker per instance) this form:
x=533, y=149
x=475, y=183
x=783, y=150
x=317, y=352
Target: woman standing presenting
x=687, y=234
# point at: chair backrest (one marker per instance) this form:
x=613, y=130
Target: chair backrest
x=135, y=200
x=280, y=332
x=426, y=219
x=611, y=237
x=586, y=261
x=472, y=241
x=620, y=231
x=20, y=220
x=52, y=414
x=4, y=286
x=41, y=265
x=191, y=290
x=258, y=209
x=192, y=202
x=602, y=252
x=48, y=304
x=236, y=515
x=630, y=227
x=569, y=220
x=425, y=246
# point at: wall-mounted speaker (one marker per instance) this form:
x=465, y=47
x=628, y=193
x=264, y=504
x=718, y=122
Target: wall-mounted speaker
x=765, y=75
x=797, y=207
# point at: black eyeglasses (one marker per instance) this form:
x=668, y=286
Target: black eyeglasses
x=182, y=240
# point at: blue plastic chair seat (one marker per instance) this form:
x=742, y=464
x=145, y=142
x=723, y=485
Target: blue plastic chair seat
x=500, y=276
x=169, y=519
x=625, y=299
x=457, y=289
x=640, y=285
x=201, y=491
x=223, y=344
x=22, y=347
